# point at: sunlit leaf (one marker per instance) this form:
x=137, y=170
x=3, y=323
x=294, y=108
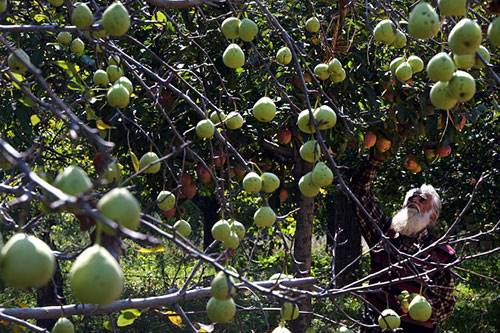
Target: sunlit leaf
x=173, y=317
x=101, y=125
x=155, y=249
x=127, y=317
x=34, y=120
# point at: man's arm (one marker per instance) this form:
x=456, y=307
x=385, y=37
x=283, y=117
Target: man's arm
x=361, y=187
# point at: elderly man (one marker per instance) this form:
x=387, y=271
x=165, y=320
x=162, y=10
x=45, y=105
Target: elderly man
x=407, y=232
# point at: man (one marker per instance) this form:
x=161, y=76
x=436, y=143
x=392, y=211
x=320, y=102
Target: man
x=407, y=233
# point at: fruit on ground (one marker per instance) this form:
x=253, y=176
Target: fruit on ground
x=63, y=325
x=114, y=72
x=321, y=71
x=441, y=96
x=465, y=37
x=284, y=56
x=205, y=129
x=462, y=86
x=322, y=175
x=383, y=144
x=222, y=286
x=400, y=40
x=248, y=30
x=325, y=117
x=289, y=311
x=82, y=16
x=452, y=7
x=389, y=319
x=149, y=157
x=230, y=27
x=423, y=22
x=118, y=96
x=420, y=309
x=233, y=56
x=15, y=64
x=183, y=228
x=307, y=186
x=122, y=207
x=310, y=151
x=234, y=120
x=264, y=110
x=494, y=31
x=73, y=181
x=443, y=150
x=238, y=228
x=100, y=78
x=64, y=37
x=416, y=63
x=270, y=182
x=221, y=230
x=252, y=183
x=369, y=140
x=96, y=277
x=124, y=81
x=26, y=262
x=264, y=217
x=165, y=200
x=404, y=72
x=303, y=122
x=221, y=311
x=441, y=67
x=116, y=19
x=313, y=25
x=485, y=54
x=464, y=61
x=77, y=46
x=385, y=32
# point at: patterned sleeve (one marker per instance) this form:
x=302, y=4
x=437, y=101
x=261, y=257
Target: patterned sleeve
x=440, y=296
x=361, y=187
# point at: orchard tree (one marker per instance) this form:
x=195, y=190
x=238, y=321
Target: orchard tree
x=204, y=144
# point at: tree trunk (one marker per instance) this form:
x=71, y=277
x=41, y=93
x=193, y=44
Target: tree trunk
x=209, y=207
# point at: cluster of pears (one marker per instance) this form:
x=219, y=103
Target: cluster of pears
x=233, y=28
x=166, y=201
x=76, y=45
x=228, y=232
x=118, y=94
x=289, y=311
x=267, y=182
x=233, y=120
x=403, y=69
x=221, y=307
x=386, y=32
x=115, y=19
x=333, y=71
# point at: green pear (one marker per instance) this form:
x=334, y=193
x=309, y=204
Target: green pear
x=303, y=122
x=464, y=61
x=122, y=207
x=485, y=54
x=494, y=31
x=165, y=200
x=462, y=86
x=389, y=319
x=77, y=46
x=118, y=96
x=149, y=157
x=73, y=181
x=233, y=56
x=281, y=329
x=423, y=22
x=3, y=6
x=230, y=28
x=234, y=120
x=205, y=129
x=63, y=325
x=310, y=151
x=307, y=186
x=238, y=228
x=15, y=64
x=270, y=182
x=64, y=38
x=82, y=16
x=441, y=67
x=385, y=32
x=441, y=96
x=465, y=37
x=217, y=117
x=416, y=63
x=334, y=66
x=114, y=59
x=284, y=56
x=124, y=81
x=264, y=110
x=321, y=70
x=183, y=228
x=289, y=311
x=248, y=30
x=404, y=72
x=221, y=311
x=116, y=19
x=100, y=78
x=114, y=72
x=222, y=286
x=339, y=76
x=252, y=183
x=343, y=329
x=325, y=117
x=322, y=175
x=400, y=40
x=264, y=217
x=420, y=309
x=395, y=64
x=452, y=7
x=313, y=25
x=221, y=230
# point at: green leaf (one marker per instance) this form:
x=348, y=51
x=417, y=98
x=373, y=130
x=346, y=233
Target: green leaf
x=135, y=161
x=34, y=120
x=127, y=317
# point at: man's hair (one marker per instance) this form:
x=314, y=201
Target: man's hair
x=429, y=189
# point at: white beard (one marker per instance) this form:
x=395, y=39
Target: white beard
x=410, y=222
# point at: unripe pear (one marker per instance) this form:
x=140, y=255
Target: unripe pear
x=289, y=311
x=322, y=175
x=15, y=64
x=307, y=186
x=82, y=16
x=118, y=96
x=281, y=329
x=252, y=183
x=423, y=22
x=464, y=61
x=389, y=319
x=217, y=117
x=230, y=27
x=383, y=144
x=465, y=37
x=303, y=122
x=395, y=64
x=221, y=311
x=334, y=66
x=114, y=72
x=325, y=117
x=165, y=200
x=122, y=207
x=270, y=182
x=310, y=151
x=404, y=72
x=416, y=63
x=441, y=96
x=113, y=172
x=26, y=262
x=343, y=329
x=234, y=120
x=100, y=78
x=441, y=67
x=3, y=6
x=400, y=40
x=452, y=7
x=264, y=217
x=485, y=54
x=222, y=286
x=56, y=3
x=63, y=325
x=321, y=71
x=96, y=277
x=231, y=242
x=114, y=60
x=494, y=31
x=385, y=32
x=313, y=25
x=99, y=33
x=264, y=110
x=284, y=56
x=77, y=46
x=116, y=19
x=338, y=76
x=183, y=228
x=149, y=157
x=124, y=81
x=73, y=181
x=420, y=309
x=205, y=129
x=462, y=86
x=248, y=30
x=64, y=38
x=233, y=56
x=238, y=228
x=221, y=230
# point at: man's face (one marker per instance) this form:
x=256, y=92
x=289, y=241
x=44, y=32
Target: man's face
x=420, y=201
x=415, y=216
